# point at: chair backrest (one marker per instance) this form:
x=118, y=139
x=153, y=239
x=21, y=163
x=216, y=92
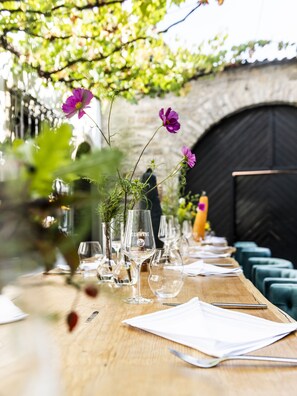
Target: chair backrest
x=239, y=245
x=252, y=252
x=278, y=275
x=261, y=272
x=284, y=296
x=262, y=262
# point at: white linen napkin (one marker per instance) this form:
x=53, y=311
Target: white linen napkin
x=206, y=254
x=214, y=240
x=9, y=312
x=212, y=249
x=212, y=330
x=201, y=268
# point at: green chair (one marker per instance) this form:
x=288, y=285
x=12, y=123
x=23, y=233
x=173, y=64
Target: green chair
x=252, y=252
x=280, y=276
x=284, y=296
x=261, y=272
x=262, y=262
x=239, y=245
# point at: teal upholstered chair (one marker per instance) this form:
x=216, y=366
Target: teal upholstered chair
x=252, y=252
x=260, y=262
x=242, y=245
x=284, y=296
x=278, y=275
x=261, y=272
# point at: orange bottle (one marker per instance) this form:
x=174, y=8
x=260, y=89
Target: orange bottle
x=200, y=219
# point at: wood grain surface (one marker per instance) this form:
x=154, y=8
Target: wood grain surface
x=105, y=357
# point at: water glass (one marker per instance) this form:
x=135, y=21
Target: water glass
x=166, y=276
x=90, y=255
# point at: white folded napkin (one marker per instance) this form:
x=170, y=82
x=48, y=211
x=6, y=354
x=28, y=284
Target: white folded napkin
x=206, y=254
x=201, y=268
x=9, y=312
x=89, y=266
x=212, y=330
x=212, y=249
x=214, y=240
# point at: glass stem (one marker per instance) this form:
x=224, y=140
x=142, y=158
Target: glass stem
x=138, y=280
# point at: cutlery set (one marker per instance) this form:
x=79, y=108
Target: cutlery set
x=213, y=362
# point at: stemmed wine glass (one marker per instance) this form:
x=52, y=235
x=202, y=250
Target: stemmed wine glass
x=166, y=232
x=184, y=245
x=187, y=229
x=139, y=245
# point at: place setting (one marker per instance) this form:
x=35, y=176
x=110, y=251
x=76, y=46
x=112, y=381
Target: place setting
x=211, y=329
x=205, y=269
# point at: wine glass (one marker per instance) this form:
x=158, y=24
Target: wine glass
x=187, y=229
x=166, y=232
x=90, y=254
x=186, y=236
x=139, y=245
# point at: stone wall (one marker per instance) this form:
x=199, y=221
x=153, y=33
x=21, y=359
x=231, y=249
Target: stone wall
x=205, y=104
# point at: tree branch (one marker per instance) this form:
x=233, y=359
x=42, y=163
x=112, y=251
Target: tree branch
x=89, y=6
x=180, y=21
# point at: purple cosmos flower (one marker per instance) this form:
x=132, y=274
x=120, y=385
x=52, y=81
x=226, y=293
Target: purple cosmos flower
x=201, y=206
x=77, y=102
x=170, y=120
x=189, y=157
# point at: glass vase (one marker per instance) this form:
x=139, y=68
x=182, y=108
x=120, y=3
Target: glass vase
x=107, y=264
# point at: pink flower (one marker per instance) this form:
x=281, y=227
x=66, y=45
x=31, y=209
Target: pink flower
x=170, y=120
x=201, y=206
x=189, y=157
x=77, y=102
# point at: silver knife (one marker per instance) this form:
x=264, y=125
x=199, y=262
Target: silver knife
x=227, y=305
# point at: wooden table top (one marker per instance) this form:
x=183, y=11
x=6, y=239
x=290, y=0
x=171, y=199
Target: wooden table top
x=106, y=357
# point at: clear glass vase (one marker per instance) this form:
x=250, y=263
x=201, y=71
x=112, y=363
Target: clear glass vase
x=107, y=264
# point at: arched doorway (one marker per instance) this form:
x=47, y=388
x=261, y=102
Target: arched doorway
x=247, y=164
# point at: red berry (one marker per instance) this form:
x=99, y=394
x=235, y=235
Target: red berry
x=91, y=290
x=72, y=319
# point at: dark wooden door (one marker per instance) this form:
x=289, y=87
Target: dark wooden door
x=258, y=139
x=266, y=210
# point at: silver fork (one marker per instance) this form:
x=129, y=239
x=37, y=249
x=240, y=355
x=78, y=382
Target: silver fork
x=212, y=362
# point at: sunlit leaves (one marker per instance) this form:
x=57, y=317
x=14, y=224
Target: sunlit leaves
x=106, y=46
x=48, y=157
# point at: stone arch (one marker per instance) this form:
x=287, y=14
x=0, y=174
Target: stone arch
x=203, y=104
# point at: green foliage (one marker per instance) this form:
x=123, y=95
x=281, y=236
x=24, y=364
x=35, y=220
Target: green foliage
x=48, y=157
x=111, y=204
x=187, y=207
x=27, y=199
x=106, y=46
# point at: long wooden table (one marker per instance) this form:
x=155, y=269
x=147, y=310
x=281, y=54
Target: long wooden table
x=106, y=357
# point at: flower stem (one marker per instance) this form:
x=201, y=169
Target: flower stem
x=143, y=150
x=173, y=173
x=100, y=130
x=109, y=118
